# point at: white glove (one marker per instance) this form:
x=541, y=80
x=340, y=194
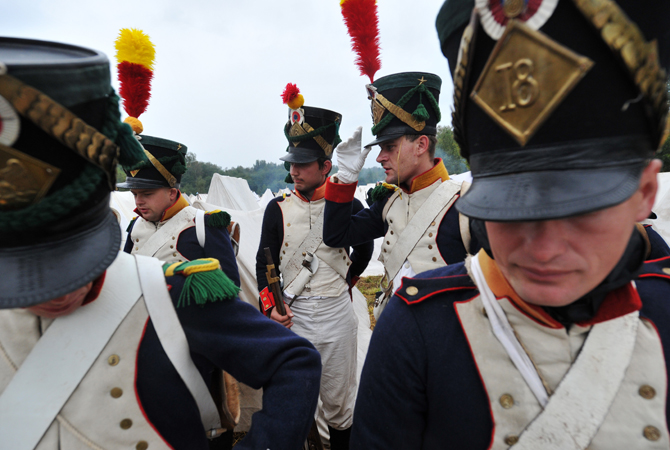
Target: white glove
x=351, y=158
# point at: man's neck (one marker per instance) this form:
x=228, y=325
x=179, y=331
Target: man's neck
x=424, y=167
x=309, y=194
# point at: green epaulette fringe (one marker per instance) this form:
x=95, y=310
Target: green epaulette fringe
x=205, y=282
x=218, y=219
x=130, y=225
x=380, y=191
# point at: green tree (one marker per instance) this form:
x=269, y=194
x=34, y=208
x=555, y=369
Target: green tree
x=448, y=150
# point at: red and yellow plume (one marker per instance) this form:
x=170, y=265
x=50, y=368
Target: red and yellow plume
x=135, y=55
x=292, y=96
x=362, y=21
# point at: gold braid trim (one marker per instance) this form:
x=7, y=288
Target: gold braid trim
x=460, y=85
x=327, y=148
x=640, y=57
x=401, y=113
x=61, y=124
x=161, y=168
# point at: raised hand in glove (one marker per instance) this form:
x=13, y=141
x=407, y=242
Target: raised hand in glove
x=351, y=158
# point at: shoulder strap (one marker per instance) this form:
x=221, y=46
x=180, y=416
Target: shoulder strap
x=49, y=375
x=308, y=245
x=173, y=339
x=200, y=227
x=389, y=202
x=441, y=198
x=162, y=235
x=464, y=221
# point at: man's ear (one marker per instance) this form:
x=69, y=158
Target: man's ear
x=173, y=194
x=422, y=145
x=327, y=166
x=648, y=188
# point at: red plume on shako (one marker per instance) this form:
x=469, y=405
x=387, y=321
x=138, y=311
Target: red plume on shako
x=294, y=99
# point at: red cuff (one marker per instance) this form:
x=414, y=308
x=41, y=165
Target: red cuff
x=340, y=193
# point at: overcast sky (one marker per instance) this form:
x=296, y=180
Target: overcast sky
x=222, y=65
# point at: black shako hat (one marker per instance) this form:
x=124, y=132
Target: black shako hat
x=312, y=133
x=165, y=165
x=60, y=142
x=404, y=104
x=557, y=105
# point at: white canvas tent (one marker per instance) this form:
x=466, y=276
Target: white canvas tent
x=231, y=193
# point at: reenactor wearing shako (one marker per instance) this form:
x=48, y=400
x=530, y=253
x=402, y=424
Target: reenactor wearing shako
x=555, y=335
x=316, y=278
x=99, y=348
x=166, y=227
x=413, y=208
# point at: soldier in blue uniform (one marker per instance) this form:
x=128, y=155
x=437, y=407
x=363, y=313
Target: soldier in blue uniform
x=555, y=335
x=316, y=278
x=417, y=189
x=167, y=226
x=101, y=349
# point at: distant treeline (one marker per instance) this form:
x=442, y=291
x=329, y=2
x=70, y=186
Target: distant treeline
x=270, y=175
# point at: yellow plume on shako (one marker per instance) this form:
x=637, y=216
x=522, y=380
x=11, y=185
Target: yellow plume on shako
x=135, y=55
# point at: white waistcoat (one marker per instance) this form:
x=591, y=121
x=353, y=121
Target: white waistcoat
x=103, y=411
x=638, y=405
x=426, y=255
x=298, y=216
x=143, y=230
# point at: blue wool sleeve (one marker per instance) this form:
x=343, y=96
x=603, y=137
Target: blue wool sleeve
x=230, y=335
x=343, y=227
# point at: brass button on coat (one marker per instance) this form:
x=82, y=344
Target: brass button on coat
x=142, y=445
x=288, y=224
x=126, y=423
x=666, y=270
x=137, y=240
x=412, y=290
x=116, y=392
x=430, y=234
x=388, y=243
x=173, y=238
x=430, y=246
x=113, y=360
x=304, y=254
x=647, y=392
x=434, y=259
x=652, y=433
x=391, y=231
x=286, y=244
x=432, y=224
x=174, y=254
x=506, y=401
x=172, y=246
x=339, y=251
x=511, y=440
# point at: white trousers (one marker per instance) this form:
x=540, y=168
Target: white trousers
x=330, y=325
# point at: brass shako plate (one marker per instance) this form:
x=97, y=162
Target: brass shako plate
x=526, y=77
x=24, y=180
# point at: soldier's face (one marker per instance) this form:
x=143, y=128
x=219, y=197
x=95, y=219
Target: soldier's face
x=151, y=203
x=555, y=262
x=401, y=159
x=308, y=176
x=62, y=306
